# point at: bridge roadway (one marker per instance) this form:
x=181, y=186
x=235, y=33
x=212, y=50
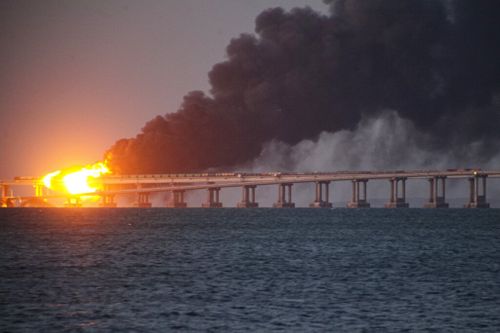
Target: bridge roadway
x=269, y=177
x=236, y=179
x=143, y=185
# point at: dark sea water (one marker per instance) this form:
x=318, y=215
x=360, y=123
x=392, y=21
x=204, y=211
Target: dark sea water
x=252, y=270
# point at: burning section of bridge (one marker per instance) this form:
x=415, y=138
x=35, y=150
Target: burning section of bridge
x=77, y=180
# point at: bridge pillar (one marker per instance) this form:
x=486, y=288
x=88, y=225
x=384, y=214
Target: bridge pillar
x=40, y=201
x=284, y=196
x=212, y=198
x=107, y=201
x=177, y=199
x=396, y=200
x=73, y=202
x=322, y=201
x=143, y=200
x=248, y=197
x=358, y=200
x=39, y=189
x=5, y=191
x=437, y=199
x=477, y=198
x=5, y=201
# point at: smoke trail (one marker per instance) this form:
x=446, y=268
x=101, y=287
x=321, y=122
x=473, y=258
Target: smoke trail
x=382, y=142
x=303, y=74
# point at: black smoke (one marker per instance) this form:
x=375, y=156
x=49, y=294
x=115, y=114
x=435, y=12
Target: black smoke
x=436, y=63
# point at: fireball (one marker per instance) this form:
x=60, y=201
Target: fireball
x=47, y=180
x=76, y=180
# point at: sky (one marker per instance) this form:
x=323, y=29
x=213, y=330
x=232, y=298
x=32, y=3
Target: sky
x=75, y=76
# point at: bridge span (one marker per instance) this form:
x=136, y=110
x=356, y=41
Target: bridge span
x=143, y=186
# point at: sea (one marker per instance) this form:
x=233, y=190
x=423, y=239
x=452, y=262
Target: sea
x=249, y=270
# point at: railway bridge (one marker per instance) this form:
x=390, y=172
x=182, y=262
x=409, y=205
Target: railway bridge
x=143, y=186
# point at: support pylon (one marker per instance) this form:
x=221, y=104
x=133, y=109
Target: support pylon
x=322, y=199
x=396, y=200
x=177, y=200
x=248, y=197
x=143, y=200
x=284, y=196
x=107, y=201
x=477, y=197
x=358, y=200
x=73, y=202
x=437, y=198
x=213, y=200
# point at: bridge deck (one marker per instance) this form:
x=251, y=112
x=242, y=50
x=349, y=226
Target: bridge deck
x=170, y=182
x=230, y=179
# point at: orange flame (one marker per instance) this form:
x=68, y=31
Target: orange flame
x=76, y=180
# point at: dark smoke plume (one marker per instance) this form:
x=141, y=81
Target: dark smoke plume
x=437, y=63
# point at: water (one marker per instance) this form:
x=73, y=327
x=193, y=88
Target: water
x=249, y=270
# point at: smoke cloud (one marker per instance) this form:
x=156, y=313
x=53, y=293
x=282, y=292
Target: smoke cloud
x=384, y=142
x=304, y=79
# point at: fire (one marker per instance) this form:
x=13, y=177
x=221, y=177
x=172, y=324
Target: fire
x=76, y=180
x=47, y=180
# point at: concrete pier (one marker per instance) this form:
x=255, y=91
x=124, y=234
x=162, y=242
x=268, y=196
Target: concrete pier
x=284, y=196
x=477, y=197
x=358, y=200
x=213, y=200
x=7, y=203
x=72, y=202
x=322, y=201
x=437, y=199
x=5, y=191
x=397, y=201
x=248, y=197
x=4, y=200
x=177, y=200
x=143, y=200
x=108, y=201
x=39, y=189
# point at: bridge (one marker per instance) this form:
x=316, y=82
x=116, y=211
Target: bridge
x=143, y=186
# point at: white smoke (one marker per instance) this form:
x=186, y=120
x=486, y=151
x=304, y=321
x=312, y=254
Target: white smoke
x=387, y=142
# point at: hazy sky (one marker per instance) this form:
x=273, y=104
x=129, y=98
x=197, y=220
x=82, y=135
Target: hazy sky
x=75, y=76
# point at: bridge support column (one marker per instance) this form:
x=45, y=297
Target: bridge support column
x=358, y=200
x=39, y=189
x=177, y=200
x=437, y=199
x=5, y=201
x=322, y=201
x=40, y=201
x=108, y=201
x=143, y=200
x=248, y=197
x=477, y=198
x=397, y=201
x=212, y=198
x=284, y=196
x=73, y=202
x=5, y=191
